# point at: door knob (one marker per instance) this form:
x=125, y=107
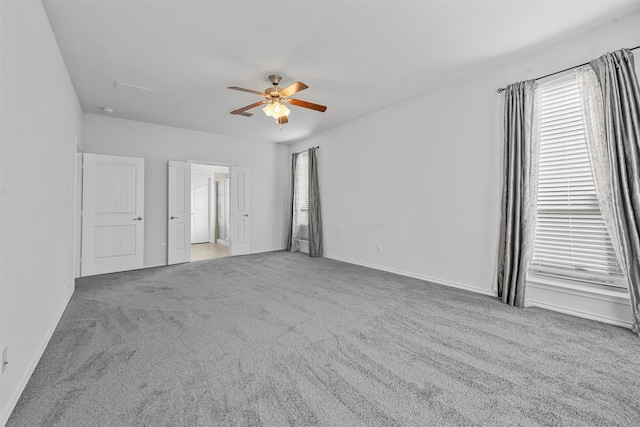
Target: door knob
x=138, y=219
x=245, y=215
x=174, y=217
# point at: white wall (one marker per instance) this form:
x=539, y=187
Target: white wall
x=423, y=178
x=41, y=118
x=159, y=144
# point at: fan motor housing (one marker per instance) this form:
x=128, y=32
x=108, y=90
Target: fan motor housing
x=272, y=91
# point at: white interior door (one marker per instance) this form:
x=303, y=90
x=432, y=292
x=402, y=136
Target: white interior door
x=179, y=210
x=112, y=214
x=239, y=220
x=199, y=209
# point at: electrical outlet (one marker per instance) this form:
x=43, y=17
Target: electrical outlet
x=5, y=358
x=379, y=247
x=164, y=246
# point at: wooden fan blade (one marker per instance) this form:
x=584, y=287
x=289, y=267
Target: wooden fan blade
x=282, y=120
x=248, y=107
x=305, y=104
x=246, y=90
x=291, y=89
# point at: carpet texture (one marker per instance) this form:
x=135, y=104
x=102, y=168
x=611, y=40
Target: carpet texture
x=279, y=338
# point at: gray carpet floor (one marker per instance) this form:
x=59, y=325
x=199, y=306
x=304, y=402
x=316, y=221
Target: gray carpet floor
x=279, y=338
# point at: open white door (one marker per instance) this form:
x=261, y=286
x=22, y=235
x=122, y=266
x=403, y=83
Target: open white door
x=239, y=220
x=179, y=219
x=112, y=214
x=199, y=209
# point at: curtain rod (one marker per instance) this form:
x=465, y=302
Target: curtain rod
x=306, y=149
x=502, y=89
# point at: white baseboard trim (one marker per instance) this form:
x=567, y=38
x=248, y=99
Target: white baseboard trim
x=607, y=305
x=608, y=296
x=154, y=265
x=13, y=401
x=488, y=292
x=580, y=313
x=619, y=296
x=258, y=251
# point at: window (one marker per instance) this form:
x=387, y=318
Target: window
x=571, y=238
x=302, y=191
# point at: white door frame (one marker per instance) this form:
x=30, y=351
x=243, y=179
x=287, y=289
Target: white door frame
x=78, y=214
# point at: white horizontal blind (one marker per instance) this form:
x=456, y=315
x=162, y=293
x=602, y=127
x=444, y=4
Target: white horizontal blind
x=302, y=187
x=571, y=239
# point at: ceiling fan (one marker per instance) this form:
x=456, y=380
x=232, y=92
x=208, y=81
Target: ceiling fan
x=275, y=98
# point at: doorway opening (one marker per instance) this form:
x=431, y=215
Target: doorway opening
x=230, y=224
x=209, y=211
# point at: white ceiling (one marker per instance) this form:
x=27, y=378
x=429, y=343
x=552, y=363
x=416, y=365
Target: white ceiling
x=356, y=56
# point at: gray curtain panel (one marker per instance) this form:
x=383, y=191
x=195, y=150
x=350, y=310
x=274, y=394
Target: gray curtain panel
x=315, y=216
x=517, y=208
x=292, y=240
x=621, y=96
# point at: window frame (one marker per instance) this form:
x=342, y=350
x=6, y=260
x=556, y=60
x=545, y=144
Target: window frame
x=302, y=179
x=567, y=133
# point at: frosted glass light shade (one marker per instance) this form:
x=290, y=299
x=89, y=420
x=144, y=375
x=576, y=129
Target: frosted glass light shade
x=276, y=110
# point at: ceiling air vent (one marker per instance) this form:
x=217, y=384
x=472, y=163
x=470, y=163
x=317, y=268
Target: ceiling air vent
x=139, y=90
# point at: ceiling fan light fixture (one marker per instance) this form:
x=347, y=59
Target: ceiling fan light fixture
x=285, y=110
x=275, y=100
x=268, y=109
x=276, y=110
